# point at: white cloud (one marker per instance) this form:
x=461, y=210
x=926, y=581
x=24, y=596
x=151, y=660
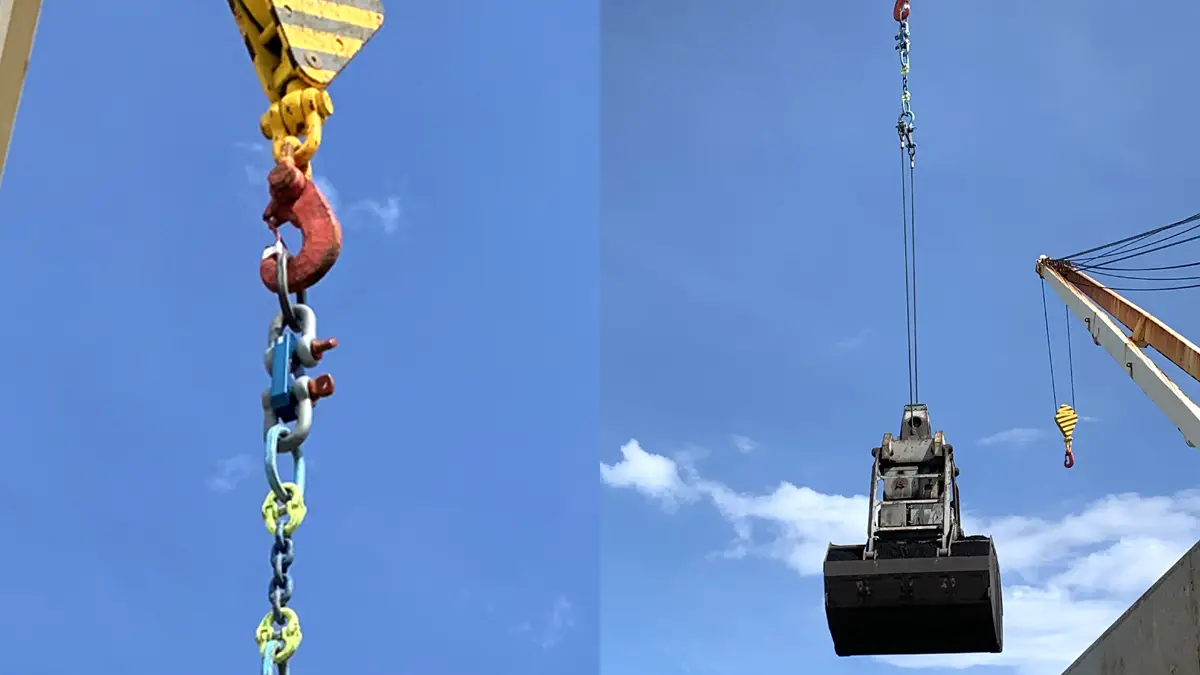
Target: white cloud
x=655, y=476
x=743, y=444
x=387, y=212
x=1016, y=437
x=558, y=623
x=1066, y=578
x=549, y=631
x=230, y=472
x=329, y=190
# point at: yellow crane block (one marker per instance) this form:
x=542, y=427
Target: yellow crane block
x=296, y=44
x=1066, y=419
x=298, y=47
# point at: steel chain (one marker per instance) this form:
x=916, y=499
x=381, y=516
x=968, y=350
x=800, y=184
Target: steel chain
x=905, y=125
x=292, y=346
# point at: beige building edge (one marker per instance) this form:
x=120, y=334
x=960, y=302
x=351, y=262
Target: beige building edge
x=1158, y=635
x=18, y=23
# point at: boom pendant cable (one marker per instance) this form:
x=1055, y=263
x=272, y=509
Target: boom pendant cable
x=908, y=150
x=1109, y=251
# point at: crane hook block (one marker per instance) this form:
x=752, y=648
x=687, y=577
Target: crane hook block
x=1066, y=419
x=306, y=40
x=901, y=10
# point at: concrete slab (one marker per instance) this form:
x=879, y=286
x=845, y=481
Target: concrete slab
x=1159, y=634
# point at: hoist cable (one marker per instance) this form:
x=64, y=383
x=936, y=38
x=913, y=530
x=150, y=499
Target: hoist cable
x=912, y=223
x=908, y=308
x=1065, y=417
x=1049, y=348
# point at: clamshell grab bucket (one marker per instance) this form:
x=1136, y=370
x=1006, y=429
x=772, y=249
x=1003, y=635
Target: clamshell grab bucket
x=935, y=605
x=918, y=585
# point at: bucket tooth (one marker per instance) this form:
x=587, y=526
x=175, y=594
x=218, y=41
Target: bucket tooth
x=918, y=586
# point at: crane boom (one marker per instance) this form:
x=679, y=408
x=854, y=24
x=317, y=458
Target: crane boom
x=18, y=23
x=1089, y=300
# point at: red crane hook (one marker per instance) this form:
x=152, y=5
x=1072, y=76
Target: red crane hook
x=901, y=10
x=296, y=199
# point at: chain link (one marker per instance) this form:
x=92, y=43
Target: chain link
x=292, y=346
x=905, y=124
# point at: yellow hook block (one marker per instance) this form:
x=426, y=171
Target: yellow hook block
x=1066, y=419
x=307, y=40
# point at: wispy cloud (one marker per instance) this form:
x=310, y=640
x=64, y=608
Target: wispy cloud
x=510, y=611
x=330, y=191
x=852, y=342
x=230, y=472
x=1016, y=436
x=560, y=621
x=255, y=146
x=385, y=214
x=743, y=444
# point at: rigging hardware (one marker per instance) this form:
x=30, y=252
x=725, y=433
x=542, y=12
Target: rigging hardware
x=297, y=47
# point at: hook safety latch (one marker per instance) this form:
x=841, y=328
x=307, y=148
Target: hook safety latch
x=296, y=199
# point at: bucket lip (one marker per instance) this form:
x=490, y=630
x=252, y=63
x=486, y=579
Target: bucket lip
x=911, y=566
x=976, y=539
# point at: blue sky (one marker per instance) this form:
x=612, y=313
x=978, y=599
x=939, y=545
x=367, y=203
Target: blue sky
x=752, y=287
x=452, y=492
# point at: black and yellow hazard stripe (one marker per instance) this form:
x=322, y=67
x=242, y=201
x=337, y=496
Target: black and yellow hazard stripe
x=321, y=36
